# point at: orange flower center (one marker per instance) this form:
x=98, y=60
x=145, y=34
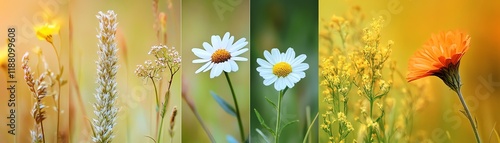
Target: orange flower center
x=220, y=55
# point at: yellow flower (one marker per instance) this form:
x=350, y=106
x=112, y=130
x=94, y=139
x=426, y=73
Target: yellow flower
x=3, y=59
x=46, y=31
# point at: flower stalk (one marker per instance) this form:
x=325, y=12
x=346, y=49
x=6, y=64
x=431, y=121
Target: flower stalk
x=278, y=115
x=240, y=124
x=469, y=116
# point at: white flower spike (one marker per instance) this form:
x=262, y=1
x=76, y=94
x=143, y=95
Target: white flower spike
x=221, y=55
x=282, y=69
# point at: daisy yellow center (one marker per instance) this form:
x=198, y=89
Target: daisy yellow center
x=282, y=69
x=220, y=55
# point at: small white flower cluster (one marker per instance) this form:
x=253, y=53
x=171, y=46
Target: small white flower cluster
x=165, y=58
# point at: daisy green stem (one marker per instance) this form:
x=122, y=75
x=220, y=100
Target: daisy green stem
x=469, y=116
x=278, y=116
x=242, y=133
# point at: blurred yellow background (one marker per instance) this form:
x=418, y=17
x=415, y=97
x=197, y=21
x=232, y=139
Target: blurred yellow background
x=200, y=21
x=410, y=23
x=24, y=16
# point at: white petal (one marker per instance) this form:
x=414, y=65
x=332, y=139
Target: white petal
x=227, y=66
x=264, y=63
x=234, y=66
x=270, y=81
x=212, y=72
x=282, y=83
x=208, y=47
x=261, y=69
x=298, y=60
x=216, y=71
x=276, y=55
x=277, y=85
x=294, y=77
x=288, y=82
x=209, y=66
x=301, y=67
x=269, y=57
x=216, y=41
x=200, y=61
x=229, y=44
x=239, y=44
x=239, y=59
x=225, y=40
x=266, y=74
x=301, y=74
x=290, y=55
x=237, y=53
x=201, y=53
x=202, y=68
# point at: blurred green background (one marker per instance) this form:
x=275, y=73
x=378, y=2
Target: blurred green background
x=201, y=20
x=135, y=36
x=410, y=23
x=282, y=24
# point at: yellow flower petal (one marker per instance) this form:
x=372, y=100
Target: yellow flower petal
x=46, y=31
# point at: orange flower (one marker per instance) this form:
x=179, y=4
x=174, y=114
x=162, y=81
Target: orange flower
x=440, y=57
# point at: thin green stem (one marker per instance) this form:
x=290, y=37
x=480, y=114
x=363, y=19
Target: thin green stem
x=371, y=118
x=242, y=132
x=276, y=139
x=469, y=116
x=156, y=94
x=309, y=129
x=164, y=108
x=160, y=129
x=58, y=92
x=159, y=133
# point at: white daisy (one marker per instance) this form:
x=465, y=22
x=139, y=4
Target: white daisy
x=282, y=69
x=221, y=55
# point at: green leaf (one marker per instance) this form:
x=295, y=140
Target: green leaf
x=271, y=102
x=263, y=123
x=289, y=123
x=226, y=106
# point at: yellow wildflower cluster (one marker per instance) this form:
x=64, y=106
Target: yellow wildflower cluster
x=355, y=58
